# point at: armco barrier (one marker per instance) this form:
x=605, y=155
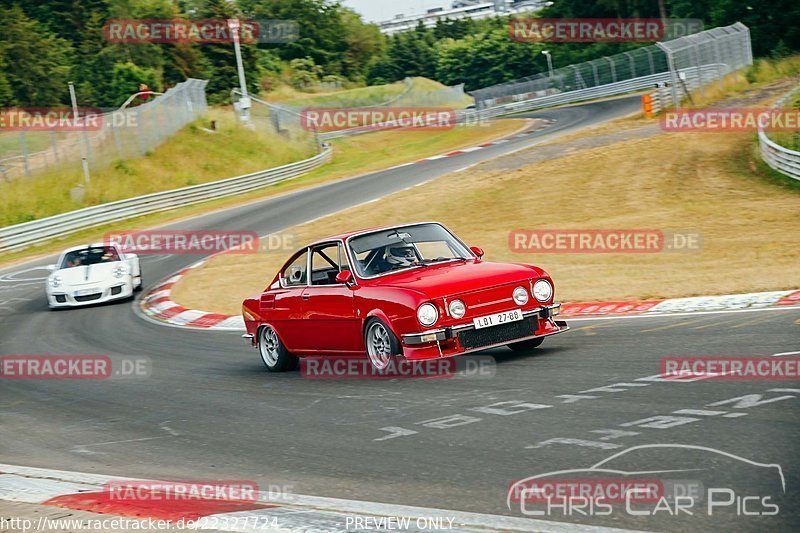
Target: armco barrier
x=691, y=78
x=23, y=235
x=778, y=157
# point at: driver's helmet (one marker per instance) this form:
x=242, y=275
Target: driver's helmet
x=400, y=254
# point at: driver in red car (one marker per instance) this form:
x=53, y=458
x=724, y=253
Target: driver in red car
x=400, y=256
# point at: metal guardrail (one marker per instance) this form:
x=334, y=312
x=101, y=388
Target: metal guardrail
x=692, y=78
x=23, y=235
x=779, y=157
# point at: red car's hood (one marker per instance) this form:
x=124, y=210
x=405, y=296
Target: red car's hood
x=459, y=277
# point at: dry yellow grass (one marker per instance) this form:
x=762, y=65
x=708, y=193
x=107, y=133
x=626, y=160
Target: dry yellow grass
x=352, y=156
x=690, y=181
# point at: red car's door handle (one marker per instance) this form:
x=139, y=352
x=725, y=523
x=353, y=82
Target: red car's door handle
x=306, y=296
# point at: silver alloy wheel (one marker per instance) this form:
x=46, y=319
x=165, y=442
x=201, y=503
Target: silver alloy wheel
x=379, y=345
x=269, y=346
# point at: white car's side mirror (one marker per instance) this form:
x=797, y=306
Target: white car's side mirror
x=52, y=268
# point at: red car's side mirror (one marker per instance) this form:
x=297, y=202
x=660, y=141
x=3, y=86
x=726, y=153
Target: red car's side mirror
x=344, y=277
x=477, y=251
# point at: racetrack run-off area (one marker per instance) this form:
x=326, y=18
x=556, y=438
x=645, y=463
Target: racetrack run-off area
x=207, y=409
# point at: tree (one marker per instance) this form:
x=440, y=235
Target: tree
x=37, y=63
x=126, y=79
x=486, y=59
x=304, y=72
x=221, y=58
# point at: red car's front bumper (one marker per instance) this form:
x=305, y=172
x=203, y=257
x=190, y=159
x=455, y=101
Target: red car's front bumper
x=465, y=338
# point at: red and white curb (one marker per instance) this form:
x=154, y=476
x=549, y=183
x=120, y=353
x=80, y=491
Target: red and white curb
x=157, y=304
x=266, y=512
x=545, y=124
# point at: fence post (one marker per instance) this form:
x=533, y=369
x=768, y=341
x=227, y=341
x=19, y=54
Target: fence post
x=694, y=50
x=139, y=134
x=650, y=60
x=613, y=70
x=115, y=134
x=23, y=146
x=54, y=144
x=718, y=60
x=633, y=64
x=672, y=75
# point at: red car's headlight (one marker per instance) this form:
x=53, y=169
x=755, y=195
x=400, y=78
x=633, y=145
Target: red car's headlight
x=427, y=314
x=457, y=309
x=542, y=290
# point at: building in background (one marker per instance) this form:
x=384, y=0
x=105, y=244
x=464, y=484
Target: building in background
x=474, y=9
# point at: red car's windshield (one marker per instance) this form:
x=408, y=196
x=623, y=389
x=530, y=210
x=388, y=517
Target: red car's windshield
x=405, y=247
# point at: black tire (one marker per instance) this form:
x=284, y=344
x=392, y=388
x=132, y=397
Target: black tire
x=137, y=288
x=526, y=346
x=380, y=343
x=273, y=353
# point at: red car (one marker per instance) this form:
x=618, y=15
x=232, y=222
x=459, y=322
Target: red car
x=414, y=291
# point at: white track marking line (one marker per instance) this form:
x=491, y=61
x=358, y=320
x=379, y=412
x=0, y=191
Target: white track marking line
x=23, y=489
x=686, y=313
x=785, y=353
x=45, y=482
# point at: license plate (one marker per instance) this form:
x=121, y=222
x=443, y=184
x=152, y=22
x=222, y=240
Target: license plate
x=86, y=292
x=497, y=319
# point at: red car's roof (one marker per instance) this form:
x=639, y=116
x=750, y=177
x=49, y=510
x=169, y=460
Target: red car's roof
x=343, y=236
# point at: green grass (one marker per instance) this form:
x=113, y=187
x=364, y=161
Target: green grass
x=788, y=139
x=364, y=96
x=11, y=142
x=767, y=70
x=345, y=97
x=191, y=157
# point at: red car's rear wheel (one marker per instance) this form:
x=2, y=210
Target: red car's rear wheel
x=273, y=353
x=381, y=343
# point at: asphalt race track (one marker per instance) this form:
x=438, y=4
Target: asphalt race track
x=210, y=411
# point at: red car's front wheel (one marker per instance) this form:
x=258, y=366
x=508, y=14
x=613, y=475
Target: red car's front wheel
x=381, y=343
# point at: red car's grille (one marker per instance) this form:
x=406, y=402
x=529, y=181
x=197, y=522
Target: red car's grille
x=488, y=301
x=477, y=338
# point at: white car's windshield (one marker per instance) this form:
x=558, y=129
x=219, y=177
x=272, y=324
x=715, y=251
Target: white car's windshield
x=405, y=247
x=89, y=256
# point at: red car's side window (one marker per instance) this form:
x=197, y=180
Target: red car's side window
x=327, y=261
x=296, y=273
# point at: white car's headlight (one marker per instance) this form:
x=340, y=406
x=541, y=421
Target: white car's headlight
x=54, y=281
x=427, y=314
x=120, y=271
x=520, y=296
x=542, y=290
x=457, y=309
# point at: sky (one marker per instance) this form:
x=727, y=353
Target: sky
x=379, y=10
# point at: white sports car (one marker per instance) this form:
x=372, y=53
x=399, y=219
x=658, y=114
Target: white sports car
x=91, y=274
